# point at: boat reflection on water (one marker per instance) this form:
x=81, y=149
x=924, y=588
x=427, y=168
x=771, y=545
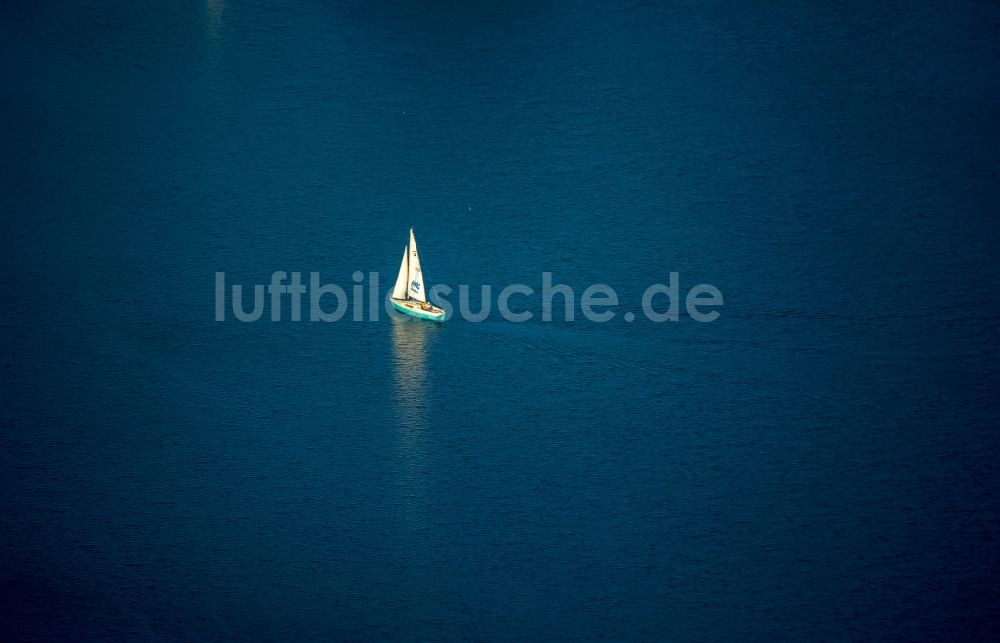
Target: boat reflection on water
x=409, y=346
x=213, y=19
x=410, y=340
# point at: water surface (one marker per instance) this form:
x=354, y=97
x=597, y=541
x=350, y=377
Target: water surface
x=818, y=463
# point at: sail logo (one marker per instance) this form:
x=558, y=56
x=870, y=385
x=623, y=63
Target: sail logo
x=415, y=285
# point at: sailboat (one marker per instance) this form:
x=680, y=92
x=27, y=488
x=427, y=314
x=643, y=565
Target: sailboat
x=409, y=295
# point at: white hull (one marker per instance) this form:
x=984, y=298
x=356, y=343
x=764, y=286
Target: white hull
x=414, y=308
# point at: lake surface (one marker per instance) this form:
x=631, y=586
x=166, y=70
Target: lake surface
x=819, y=463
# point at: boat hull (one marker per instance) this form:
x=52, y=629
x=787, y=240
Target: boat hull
x=409, y=307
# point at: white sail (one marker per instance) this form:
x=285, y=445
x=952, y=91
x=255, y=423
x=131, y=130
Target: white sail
x=399, y=290
x=416, y=279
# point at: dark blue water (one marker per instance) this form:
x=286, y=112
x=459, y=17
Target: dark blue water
x=820, y=463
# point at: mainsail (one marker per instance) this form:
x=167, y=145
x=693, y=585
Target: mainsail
x=399, y=290
x=415, y=288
